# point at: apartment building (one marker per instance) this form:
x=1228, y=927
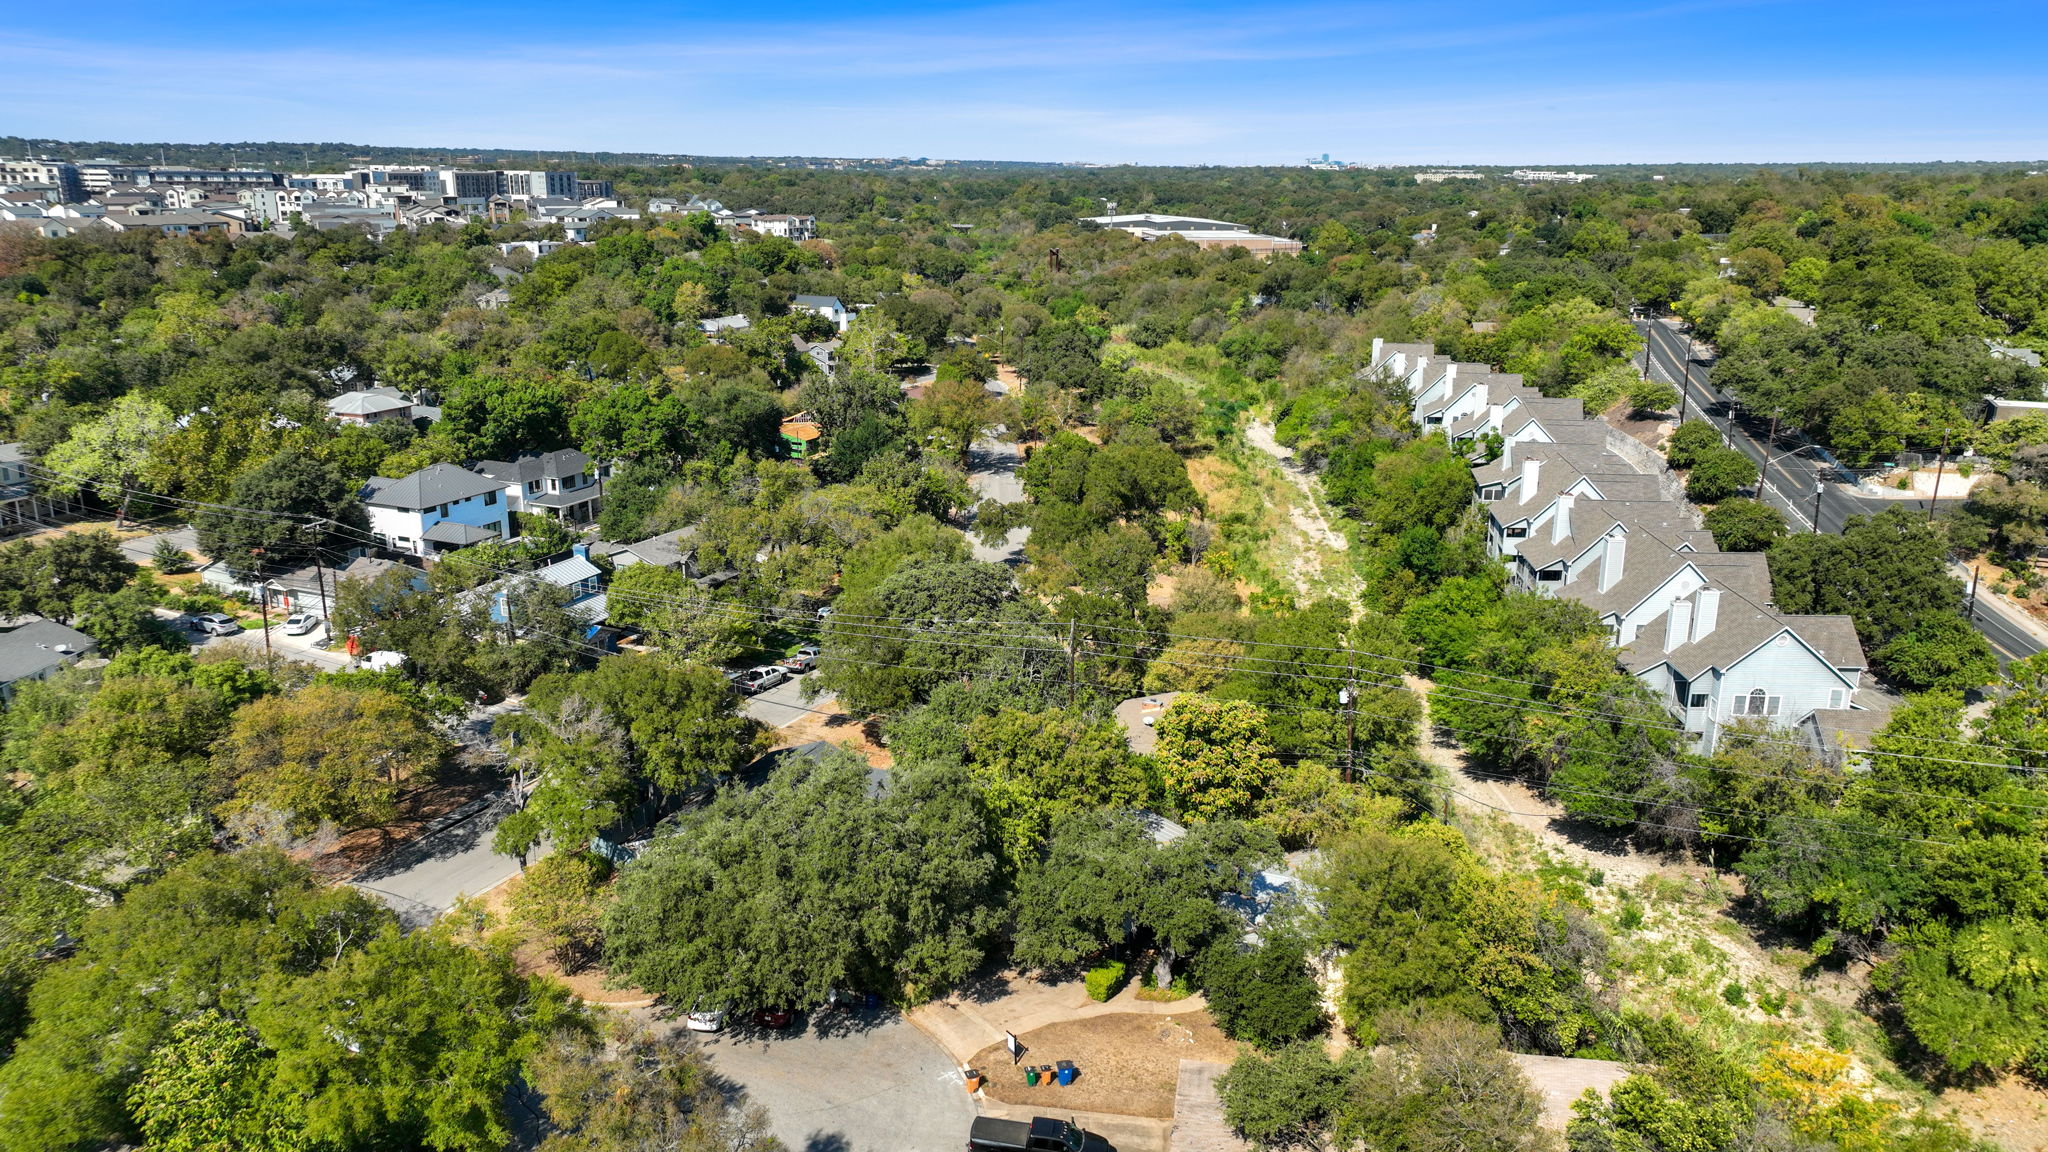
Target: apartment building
x=1576, y=509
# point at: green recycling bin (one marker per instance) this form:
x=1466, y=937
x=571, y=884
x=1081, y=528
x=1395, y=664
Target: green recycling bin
x=1031, y=1076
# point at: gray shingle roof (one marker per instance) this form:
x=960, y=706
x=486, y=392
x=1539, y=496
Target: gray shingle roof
x=430, y=487
x=560, y=464
x=456, y=532
x=32, y=648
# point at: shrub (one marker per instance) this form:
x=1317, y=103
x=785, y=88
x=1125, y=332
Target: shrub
x=1630, y=917
x=1735, y=995
x=1688, y=441
x=1105, y=980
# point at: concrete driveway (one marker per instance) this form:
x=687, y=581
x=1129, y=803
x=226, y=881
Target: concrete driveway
x=867, y=1082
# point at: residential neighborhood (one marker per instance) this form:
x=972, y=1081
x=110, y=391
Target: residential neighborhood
x=1533, y=639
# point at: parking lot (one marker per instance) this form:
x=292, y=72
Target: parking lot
x=868, y=1081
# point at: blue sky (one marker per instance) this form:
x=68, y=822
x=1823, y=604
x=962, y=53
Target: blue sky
x=1573, y=81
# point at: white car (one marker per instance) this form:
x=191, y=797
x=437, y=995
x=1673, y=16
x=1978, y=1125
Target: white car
x=706, y=1020
x=763, y=678
x=217, y=624
x=300, y=623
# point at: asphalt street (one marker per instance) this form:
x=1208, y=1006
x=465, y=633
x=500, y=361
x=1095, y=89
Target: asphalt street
x=784, y=704
x=992, y=473
x=865, y=1081
x=1796, y=479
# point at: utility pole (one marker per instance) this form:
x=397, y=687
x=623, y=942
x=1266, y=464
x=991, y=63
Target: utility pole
x=1348, y=697
x=1938, y=462
x=263, y=606
x=1073, y=658
x=320, y=579
x=1818, y=488
x=1970, y=610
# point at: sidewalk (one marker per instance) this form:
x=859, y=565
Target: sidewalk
x=2011, y=613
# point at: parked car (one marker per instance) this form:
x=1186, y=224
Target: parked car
x=806, y=658
x=705, y=1020
x=772, y=1018
x=217, y=624
x=1039, y=1134
x=300, y=623
x=763, y=678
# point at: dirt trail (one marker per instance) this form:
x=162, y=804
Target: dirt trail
x=1310, y=559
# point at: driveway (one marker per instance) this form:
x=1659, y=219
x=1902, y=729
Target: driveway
x=784, y=704
x=869, y=1082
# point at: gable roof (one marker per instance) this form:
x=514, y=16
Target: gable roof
x=367, y=402
x=560, y=464
x=434, y=485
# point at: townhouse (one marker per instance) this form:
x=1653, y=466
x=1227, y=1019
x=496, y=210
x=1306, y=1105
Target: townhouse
x=1574, y=508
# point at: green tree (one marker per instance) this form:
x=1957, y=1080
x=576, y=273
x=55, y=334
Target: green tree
x=1718, y=474
x=108, y=454
x=48, y=579
x=1263, y=994
x=639, y=1091
x=1035, y=767
x=1288, y=1099
x=1740, y=524
x=329, y=753
x=1446, y=1087
x=555, y=907
x=1214, y=757
x=1690, y=441
x=818, y=881
x=204, y=1091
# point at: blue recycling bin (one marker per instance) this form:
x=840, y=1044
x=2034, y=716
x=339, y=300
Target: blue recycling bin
x=1067, y=1072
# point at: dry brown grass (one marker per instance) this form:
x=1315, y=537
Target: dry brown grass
x=1129, y=1063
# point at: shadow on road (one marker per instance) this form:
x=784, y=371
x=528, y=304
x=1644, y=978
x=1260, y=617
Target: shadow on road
x=467, y=834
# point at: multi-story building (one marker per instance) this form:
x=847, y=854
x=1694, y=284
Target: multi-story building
x=593, y=189
x=436, y=509
x=61, y=177
x=564, y=484
x=1576, y=509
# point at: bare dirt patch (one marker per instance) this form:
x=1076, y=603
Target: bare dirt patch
x=840, y=728
x=1129, y=1064
x=2010, y=1113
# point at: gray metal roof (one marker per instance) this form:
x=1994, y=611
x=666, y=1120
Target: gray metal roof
x=456, y=532
x=434, y=485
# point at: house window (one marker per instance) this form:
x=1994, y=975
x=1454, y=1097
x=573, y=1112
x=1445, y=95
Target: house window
x=1698, y=700
x=1517, y=531
x=441, y=511
x=1551, y=575
x=1835, y=698
x=1757, y=703
x=533, y=487
x=490, y=498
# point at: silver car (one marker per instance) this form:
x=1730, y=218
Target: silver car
x=300, y=623
x=763, y=678
x=217, y=624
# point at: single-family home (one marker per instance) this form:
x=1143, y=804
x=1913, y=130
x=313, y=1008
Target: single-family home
x=824, y=354
x=371, y=406
x=36, y=650
x=827, y=306
x=436, y=509
x=564, y=483
x=575, y=573
x=719, y=325
x=677, y=550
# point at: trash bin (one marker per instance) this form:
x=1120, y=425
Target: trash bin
x=973, y=1079
x=1031, y=1076
x=1067, y=1072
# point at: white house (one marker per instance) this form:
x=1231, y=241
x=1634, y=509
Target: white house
x=1575, y=509
x=565, y=483
x=827, y=306
x=436, y=509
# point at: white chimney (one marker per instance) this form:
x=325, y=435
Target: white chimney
x=1611, y=560
x=1561, y=520
x=1531, y=469
x=1507, y=456
x=1378, y=342
x=1677, y=624
x=1708, y=614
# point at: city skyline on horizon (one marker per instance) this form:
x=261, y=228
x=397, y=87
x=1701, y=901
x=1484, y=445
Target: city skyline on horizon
x=1599, y=82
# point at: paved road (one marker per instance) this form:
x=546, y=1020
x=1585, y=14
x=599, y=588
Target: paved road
x=869, y=1083
x=992, y=472
x=425, y=878
x=1796, y=479
x=784, y=704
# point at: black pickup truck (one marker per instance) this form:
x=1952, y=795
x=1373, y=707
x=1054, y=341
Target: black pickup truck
x=1042, y=1134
